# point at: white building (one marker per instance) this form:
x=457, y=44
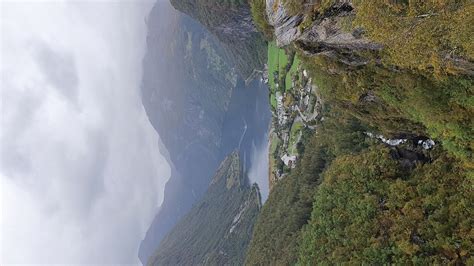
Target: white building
x=289, y=161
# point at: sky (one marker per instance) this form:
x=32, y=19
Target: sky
x=81, y=174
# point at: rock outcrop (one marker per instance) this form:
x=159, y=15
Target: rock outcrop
x=324, y=35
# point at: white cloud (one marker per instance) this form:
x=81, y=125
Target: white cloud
x=81, y=174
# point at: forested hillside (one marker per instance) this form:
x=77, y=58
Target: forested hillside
x=217, y=230
x=386, y=174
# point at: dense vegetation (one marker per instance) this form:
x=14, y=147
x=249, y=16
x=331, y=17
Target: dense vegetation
x=368, y=210
x=371, y=206
x=422, y=35
x=260, y=18
x=277, y=63
x=217, y=230
x=307, y=6
x=352, y=199
x=402, y=102
x=287, y=210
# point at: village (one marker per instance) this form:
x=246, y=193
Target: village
x=295, y=108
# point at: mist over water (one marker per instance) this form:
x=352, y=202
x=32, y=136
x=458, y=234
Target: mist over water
x=246, y=128
x=258, y=170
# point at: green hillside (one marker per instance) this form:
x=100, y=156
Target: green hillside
x=217, y=230
x=366, y=188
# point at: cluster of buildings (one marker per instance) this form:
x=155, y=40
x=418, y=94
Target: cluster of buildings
x=298, y=104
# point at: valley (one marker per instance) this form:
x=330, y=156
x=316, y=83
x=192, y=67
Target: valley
x=199, y=105
x=295, y=108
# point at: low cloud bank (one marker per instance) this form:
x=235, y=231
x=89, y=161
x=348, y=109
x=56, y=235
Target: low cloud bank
x=80, y=170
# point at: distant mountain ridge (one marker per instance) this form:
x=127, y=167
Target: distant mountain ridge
x=186, y=89
x=231, y=22
x=198, y=104
x=217, y=230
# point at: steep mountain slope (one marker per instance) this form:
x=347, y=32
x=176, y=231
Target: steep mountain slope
x=186, y=89
x=199, y=106
x=391, y=76
x=231, y=22
x=417, y=35
x=217, y=230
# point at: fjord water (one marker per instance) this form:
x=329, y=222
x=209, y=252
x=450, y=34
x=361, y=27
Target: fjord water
x=201, y=109
x=246, y=128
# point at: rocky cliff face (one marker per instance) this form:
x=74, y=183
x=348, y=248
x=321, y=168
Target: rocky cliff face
x=325, y=33
x=329, y=32
x=226, y=19
x=217, y=230
x=231, y=22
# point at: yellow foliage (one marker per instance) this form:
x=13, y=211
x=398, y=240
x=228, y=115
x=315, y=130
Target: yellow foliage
x=422, y=35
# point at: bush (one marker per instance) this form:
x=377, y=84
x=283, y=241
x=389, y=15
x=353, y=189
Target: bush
x=259, y=16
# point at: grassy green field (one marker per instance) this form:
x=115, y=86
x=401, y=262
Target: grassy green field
x=273, y=54
x=273, y=63
x=274, y=143
x=295, y=130
x=282, y=60
x=277, y=62
x=291, y=73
